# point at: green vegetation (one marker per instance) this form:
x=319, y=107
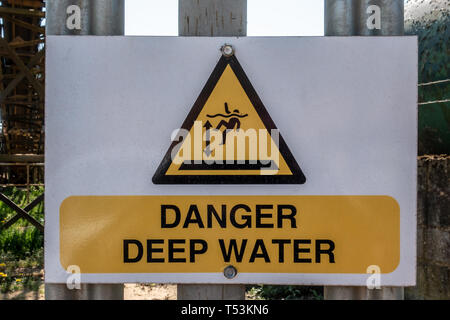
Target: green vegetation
x=21, y=245
x=21, y=274
x=430, y=21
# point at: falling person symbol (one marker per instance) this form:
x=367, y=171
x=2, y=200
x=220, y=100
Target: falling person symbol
x=232, y=124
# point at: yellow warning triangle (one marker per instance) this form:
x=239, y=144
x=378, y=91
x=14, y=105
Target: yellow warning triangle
x=228, y=137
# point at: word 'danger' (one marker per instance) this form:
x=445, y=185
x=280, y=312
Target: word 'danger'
x=228, y=137
x=287, y=234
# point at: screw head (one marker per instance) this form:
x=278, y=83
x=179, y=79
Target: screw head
x=227, y=50
x=230, y=272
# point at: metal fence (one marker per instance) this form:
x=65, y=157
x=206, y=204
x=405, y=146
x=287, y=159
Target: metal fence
x=33, y=178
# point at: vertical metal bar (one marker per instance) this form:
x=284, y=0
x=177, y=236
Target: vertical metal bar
x=391, y=17
x=359, y=18
x=350, y=18
x=362, y=293
x=28, y=183
x=99, y=17
x=35, y=174
x=213, y=18
x=86, y=292
x=339, y=17
x=57, y=17
x=108, y=17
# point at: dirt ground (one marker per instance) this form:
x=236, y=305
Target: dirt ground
x=136, y=291
x=133, y=291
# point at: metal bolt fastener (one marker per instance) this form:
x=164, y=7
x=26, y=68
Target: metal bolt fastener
x=227, y=50
x=230, y=272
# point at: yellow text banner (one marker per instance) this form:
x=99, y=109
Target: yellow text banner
x=255, y=234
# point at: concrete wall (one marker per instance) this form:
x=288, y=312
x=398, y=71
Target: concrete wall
x=433, y=229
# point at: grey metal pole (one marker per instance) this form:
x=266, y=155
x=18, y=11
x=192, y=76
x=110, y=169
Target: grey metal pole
x=58, y=291
x=108, y=17
x=57, y=17
x=212, y=18
x=390, y=14
x=85, y=17
x=362, y=293
x=339, y=17
x=363, y=18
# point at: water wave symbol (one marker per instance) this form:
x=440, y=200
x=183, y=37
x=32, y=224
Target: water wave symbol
x=227, y=116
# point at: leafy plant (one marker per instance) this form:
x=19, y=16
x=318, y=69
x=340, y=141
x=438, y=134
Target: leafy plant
x=21, y=245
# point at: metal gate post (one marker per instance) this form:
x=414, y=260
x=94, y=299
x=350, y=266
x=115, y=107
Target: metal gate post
x=213, y=18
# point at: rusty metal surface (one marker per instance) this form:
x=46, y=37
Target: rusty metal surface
x=22, y=97
x=21, y=213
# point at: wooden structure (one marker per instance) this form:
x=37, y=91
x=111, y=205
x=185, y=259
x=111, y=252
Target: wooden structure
x=22, y=93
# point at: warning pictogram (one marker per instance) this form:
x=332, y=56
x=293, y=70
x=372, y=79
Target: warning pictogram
x=228, y=137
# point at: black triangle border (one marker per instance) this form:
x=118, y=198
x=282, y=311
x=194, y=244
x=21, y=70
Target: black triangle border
x=297, y=176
